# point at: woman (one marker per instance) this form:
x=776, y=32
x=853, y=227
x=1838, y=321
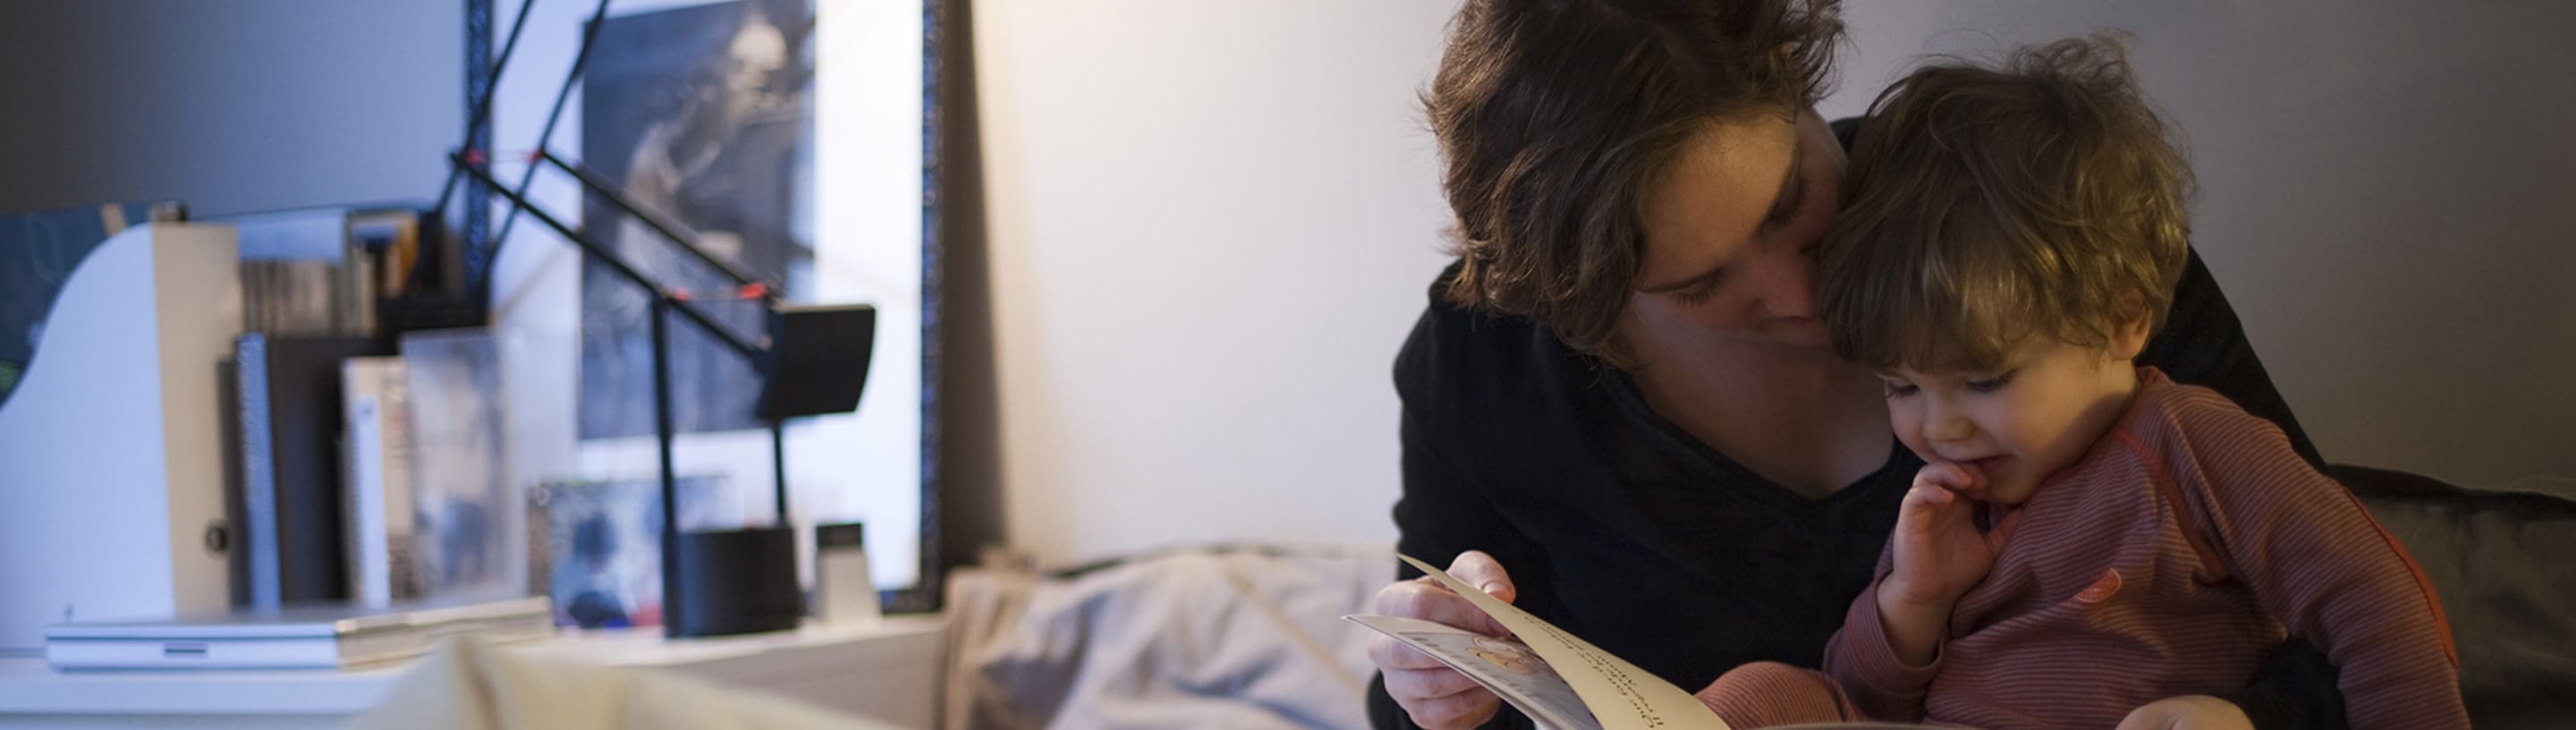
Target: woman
x=1619, y=410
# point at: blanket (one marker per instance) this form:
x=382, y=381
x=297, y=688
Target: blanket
x=1240, y=638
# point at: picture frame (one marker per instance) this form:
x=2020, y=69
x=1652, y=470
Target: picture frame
x=876, y=243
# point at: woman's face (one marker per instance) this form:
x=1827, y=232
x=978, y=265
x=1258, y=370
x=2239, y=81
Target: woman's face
x=1731, y=231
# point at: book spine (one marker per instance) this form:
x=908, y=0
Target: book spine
x=401, y=509
x=364, y=507
x=378, y=499
x=259, y=473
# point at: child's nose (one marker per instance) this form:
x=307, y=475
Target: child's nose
x=1947, y=424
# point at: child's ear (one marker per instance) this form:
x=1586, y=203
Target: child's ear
x=2129, y=337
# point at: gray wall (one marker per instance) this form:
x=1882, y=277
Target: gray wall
x=232, y=106
x=2386, y=190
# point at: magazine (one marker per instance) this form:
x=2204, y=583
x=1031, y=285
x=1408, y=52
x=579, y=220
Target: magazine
x=465, y=509
x=1556, y=679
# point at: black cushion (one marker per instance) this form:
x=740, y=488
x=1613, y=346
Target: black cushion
x=2504, y=563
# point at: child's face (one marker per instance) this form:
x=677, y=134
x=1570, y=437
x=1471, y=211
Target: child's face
x=2019, y=424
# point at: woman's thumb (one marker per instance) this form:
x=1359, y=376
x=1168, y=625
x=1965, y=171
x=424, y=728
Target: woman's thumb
x=1482, y=571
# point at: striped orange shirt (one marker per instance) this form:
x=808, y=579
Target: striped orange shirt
x=2169, y=561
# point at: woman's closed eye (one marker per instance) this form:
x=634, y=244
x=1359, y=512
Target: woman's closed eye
x=1697, y=295
x=1703, y=288
x=1897, y=388
x=1780, y=217
x=1792, y=198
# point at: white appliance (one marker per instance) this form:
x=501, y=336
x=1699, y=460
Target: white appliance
x=111, y=449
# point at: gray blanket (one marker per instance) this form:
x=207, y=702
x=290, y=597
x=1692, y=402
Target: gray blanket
x=1191, y=639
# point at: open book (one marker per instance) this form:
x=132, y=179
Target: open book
x=1556, y=679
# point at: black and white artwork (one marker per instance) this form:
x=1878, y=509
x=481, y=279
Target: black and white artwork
x=792, y=139
x=702, y=113
x=38, y=251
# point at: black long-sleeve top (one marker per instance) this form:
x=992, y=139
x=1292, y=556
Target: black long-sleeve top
x=1624, y=529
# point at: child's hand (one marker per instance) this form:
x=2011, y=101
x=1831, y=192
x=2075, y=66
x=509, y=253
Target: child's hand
x=1939, y=552
x=2195, y=712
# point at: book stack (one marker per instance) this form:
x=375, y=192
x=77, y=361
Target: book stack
x=286, y=425
x=323, y=271
x=319, y=420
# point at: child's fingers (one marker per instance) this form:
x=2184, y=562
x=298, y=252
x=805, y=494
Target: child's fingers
x=1925, y=496
x=1913, y=513
x=1976, y=478
x=1950, y=475
x=1927, y=510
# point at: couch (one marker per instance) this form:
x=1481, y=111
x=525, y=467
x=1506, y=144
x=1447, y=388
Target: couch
x=1250, y=636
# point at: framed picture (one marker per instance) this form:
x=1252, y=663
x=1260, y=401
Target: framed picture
x=43, y=248
x=792, y=139
x=595, y=549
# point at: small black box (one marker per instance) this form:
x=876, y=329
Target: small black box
x=733, y=582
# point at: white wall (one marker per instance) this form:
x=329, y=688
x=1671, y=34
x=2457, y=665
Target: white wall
x=2384, y=196
x=1210, y=224
x=233, y=106
x=1210, y=227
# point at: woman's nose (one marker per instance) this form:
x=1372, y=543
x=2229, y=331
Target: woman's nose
x=1789, y=286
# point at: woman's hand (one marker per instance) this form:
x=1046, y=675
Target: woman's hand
x=2194, y=712
x=1939, y=555
x=1939, y=552
x=1439, y=698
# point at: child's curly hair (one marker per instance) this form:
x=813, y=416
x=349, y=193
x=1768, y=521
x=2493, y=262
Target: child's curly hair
x=1989, y=205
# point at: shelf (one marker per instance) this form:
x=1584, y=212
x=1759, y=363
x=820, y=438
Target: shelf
x=898, y=657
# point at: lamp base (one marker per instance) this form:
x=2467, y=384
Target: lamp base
x=733, y=582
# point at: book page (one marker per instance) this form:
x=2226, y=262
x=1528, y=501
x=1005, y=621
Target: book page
x=1506, y=666
x=1621, y=696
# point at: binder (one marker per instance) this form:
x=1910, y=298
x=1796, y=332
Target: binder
x=287, y=494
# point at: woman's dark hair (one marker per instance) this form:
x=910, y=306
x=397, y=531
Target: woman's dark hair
x=1554, y=116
